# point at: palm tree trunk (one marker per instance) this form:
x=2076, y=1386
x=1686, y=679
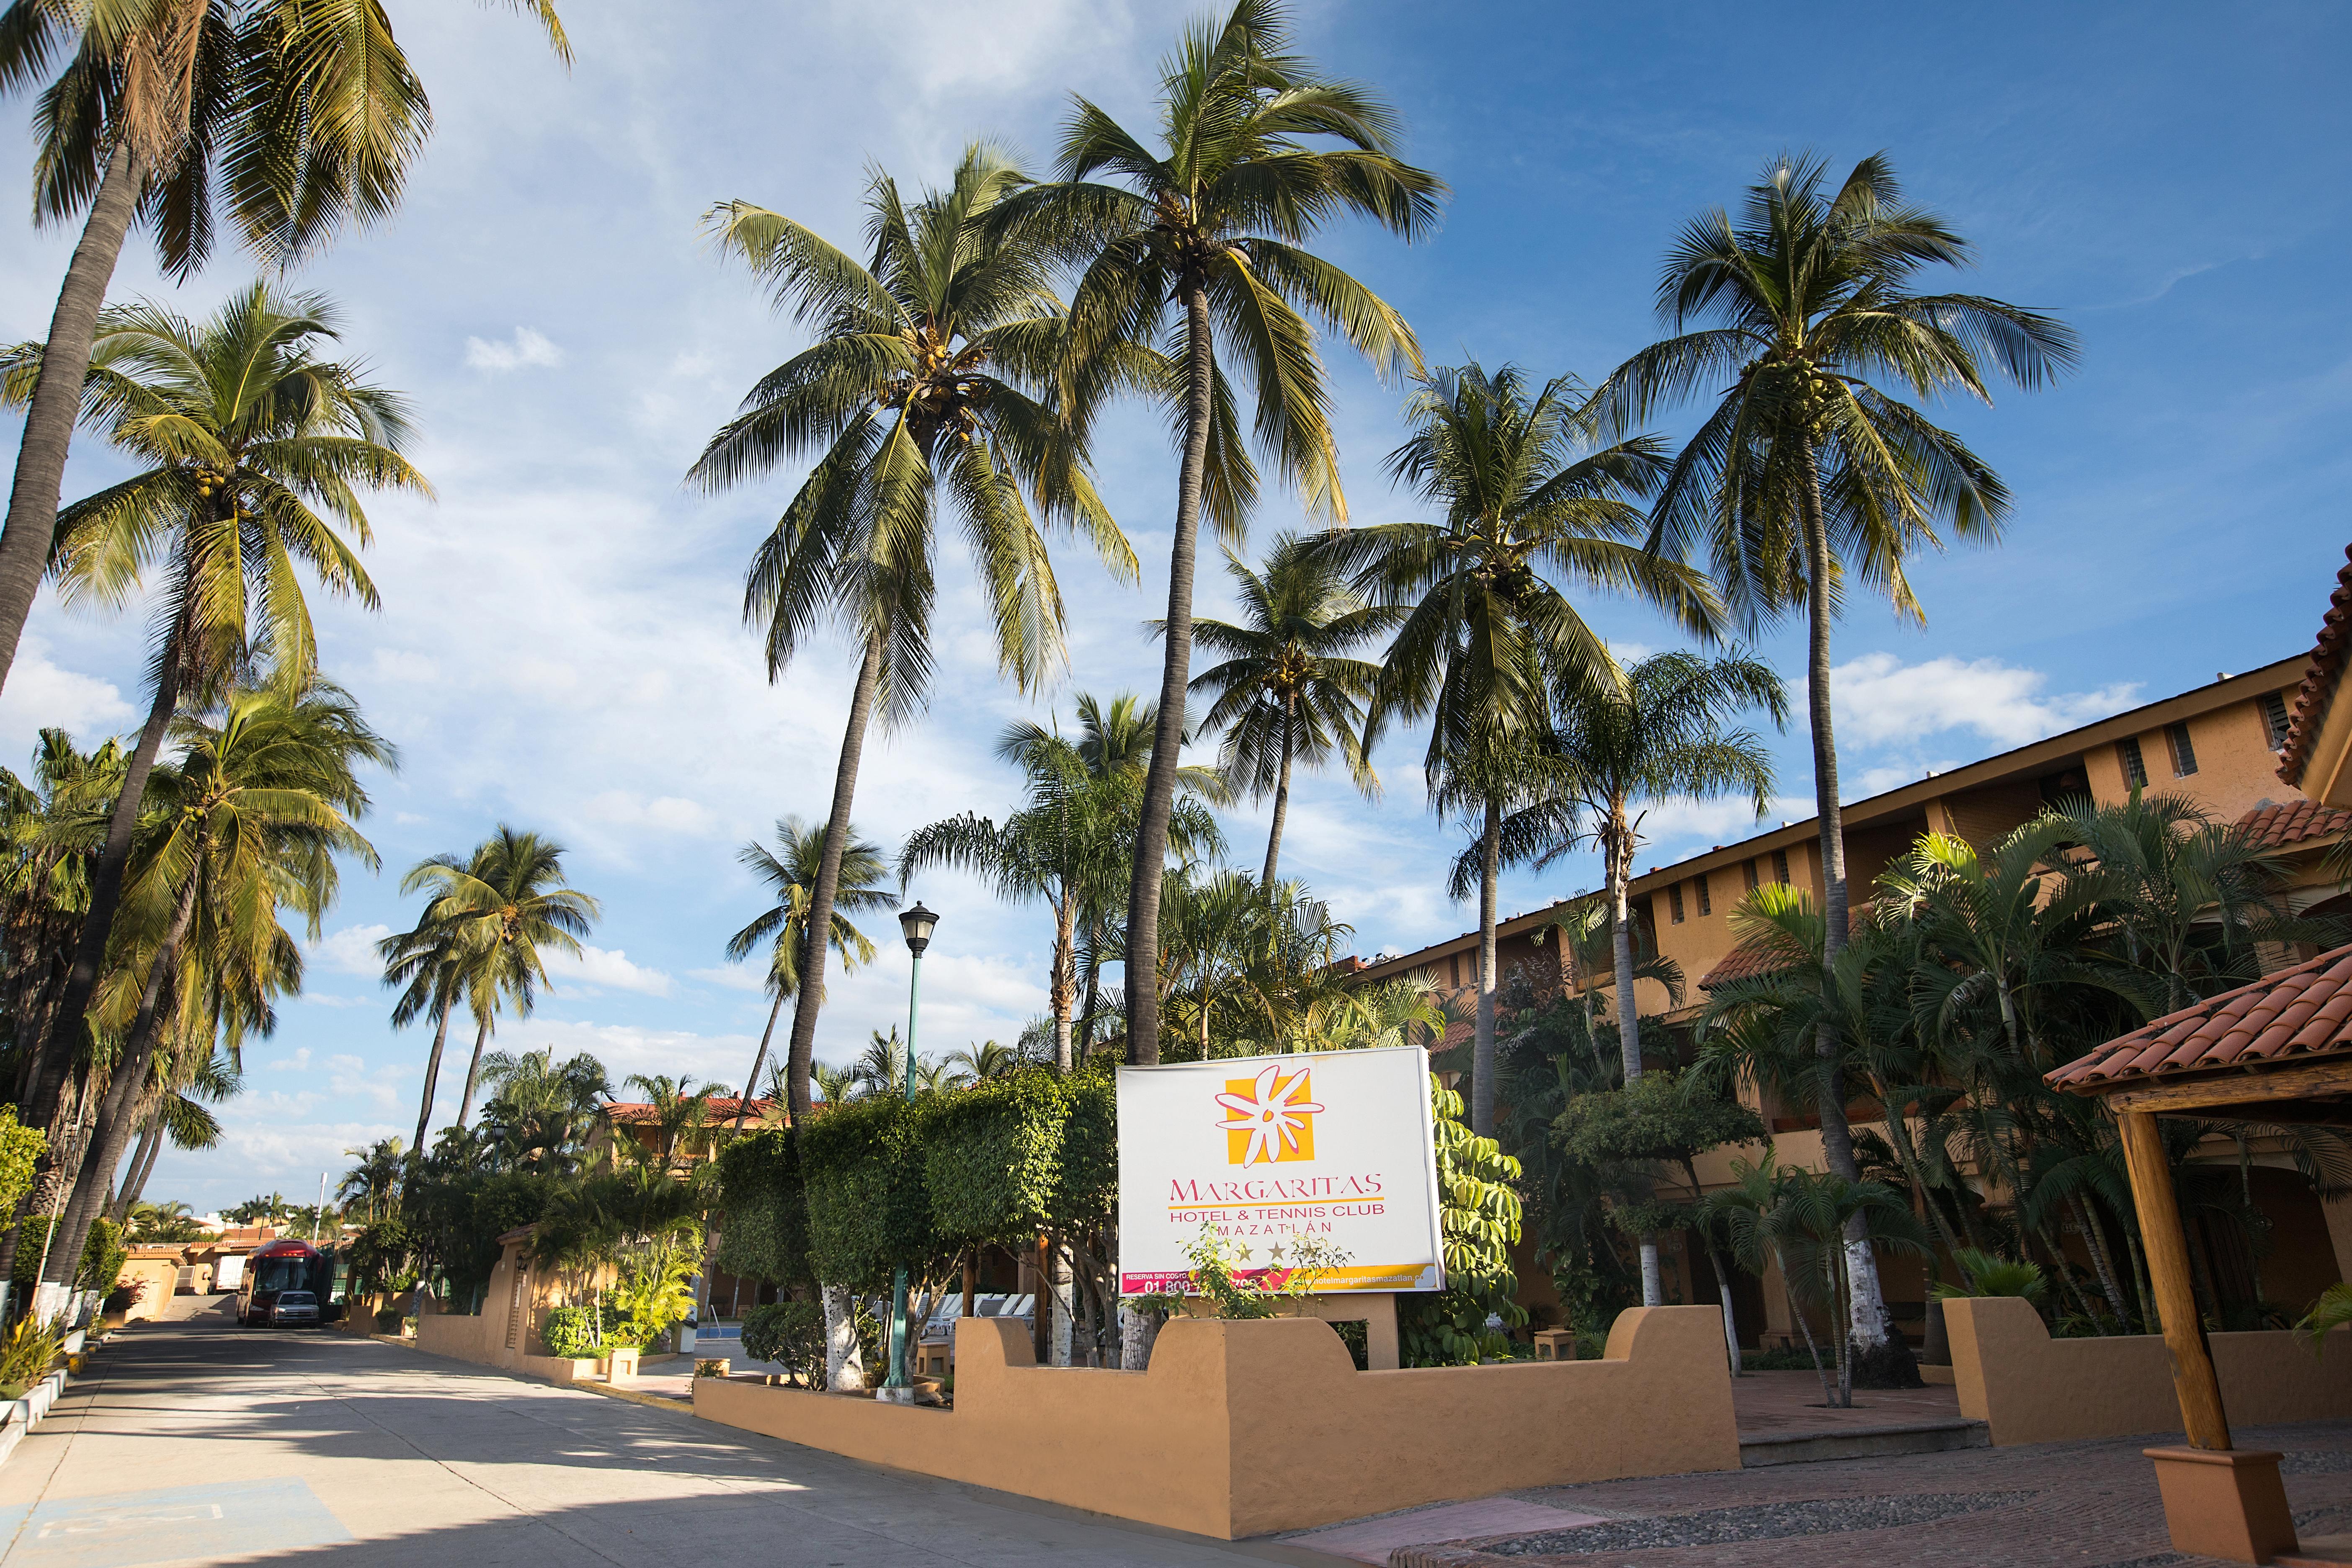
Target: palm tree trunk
x=1629, y=1023
x=1722, y=1274
x=2094, y=1241
x=474, y=1070
x=1482, y=1048
x=1885, y=1358
x=1176, y=668
x=1281, y=795
x=56, y=398
x=124, y=1087
x=143, y=1159
x=1061, y=992
x=801, y=1052
x=432, y=1070
x=759, y=1060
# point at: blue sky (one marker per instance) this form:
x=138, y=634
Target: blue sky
x=560, y=644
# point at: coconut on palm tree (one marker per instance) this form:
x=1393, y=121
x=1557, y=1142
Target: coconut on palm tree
x=1811, y=473
x=1288, y=691
x=296, y=119
x=789, y=872
x=252, y=448
x=1526, y=501
x=922, y=392
x=1194, y=254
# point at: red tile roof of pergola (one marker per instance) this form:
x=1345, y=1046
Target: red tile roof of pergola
x=2277, y=826
x=2297, y=1013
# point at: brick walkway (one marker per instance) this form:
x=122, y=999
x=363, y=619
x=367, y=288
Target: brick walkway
x=1776, y=1404
x=2093, y=1505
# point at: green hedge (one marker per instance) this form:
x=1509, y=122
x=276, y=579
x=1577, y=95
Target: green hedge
x=869, y=1207
x=766, y=1235
x=1087, y=1190
x=995, y=1159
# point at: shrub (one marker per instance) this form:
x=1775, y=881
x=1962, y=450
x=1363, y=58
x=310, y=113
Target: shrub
x=27, y=1353
x=869, y=1207
x=766, y=1236
x=102, y=1255
x=1478, y=1221
x=1086, y=1185
x=572, y=1334
x=20, y=1148
x=993, y=1160
x=791, y=1334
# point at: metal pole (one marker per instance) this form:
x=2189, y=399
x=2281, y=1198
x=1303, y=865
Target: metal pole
x=317, y=1212
x=899, y=1328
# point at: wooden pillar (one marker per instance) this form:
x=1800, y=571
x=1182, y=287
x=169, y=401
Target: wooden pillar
x=2200, y=1392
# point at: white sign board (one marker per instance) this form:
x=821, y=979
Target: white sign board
x=1266, y=1151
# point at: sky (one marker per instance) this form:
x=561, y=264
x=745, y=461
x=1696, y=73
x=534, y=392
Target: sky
x=560, y=644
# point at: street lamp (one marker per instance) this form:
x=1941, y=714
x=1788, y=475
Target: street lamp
x=915, y=924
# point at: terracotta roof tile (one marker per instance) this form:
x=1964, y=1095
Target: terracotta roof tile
x=2302, y=1011
x=2310, y=709
x=1746, y=962
x=715, y=1110
x=2279, y=825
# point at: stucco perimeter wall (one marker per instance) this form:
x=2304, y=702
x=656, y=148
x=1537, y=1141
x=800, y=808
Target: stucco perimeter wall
x=481, y=1339
x=1265, y=1425
x=2030, y=1388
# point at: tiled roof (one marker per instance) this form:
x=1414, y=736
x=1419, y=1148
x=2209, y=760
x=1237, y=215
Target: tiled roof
x=1745, y=962
x=2319, y=686
x=715, y=1110
x=2302, y=1011
x=2276, y=826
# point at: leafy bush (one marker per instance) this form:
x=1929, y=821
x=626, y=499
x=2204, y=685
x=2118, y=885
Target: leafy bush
x=791, y=1334
x=379, y=1258
x=455, y=1217
x=27, y=1353
x=869, y=1207
x=1086, y=1185
x=582, y=1334
x=994, y=1159
x=766, y=1234
x=102, y=1255
x=1478, y=1221
x=1990, y=1275
x=20, y=1148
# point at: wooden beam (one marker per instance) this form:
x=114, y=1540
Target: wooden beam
x=2193, y=1382
x=2305, y=1079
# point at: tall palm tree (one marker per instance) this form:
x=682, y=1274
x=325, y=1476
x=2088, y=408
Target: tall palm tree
x=506, y=904
x=1198, y=248
x=681, y=1114
x=541, y=1109
x=429, y=965
x=375, y=1183
x=1808, y=473
x=299, y=117
x=789, y=872
x=1526, y=502
x=1287, y=691
x=919, y=389
x=252, y=449
x=247, y=827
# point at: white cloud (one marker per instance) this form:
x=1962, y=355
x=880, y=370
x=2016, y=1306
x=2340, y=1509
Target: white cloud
x=298, y=1062
x=596, y=968
x=41, y=694
x=528, y=348
x=733, y=977
x=350, y=951
x=1879, y=700
x=662, y=814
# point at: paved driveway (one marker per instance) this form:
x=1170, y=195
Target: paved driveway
x=197, y=1441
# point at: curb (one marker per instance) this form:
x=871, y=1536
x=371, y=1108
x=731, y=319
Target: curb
x=657, y=1402
x=20, y=1416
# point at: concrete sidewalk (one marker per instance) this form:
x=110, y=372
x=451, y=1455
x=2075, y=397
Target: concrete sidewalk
x=194, y=1440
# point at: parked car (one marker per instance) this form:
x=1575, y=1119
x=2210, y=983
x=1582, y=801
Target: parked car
x=299, y=1307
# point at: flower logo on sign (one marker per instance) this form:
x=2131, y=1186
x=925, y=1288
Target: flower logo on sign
x=1269, y=1118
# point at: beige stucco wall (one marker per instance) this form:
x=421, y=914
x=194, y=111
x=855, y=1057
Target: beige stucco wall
x=161, y=1277
x=2030, y=1388
x=1258, y=1426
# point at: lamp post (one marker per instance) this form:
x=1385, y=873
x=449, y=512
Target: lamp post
x=916, y=923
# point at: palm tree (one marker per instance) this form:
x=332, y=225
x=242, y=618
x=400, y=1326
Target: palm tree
x=302, y=117
x=1487, y=634
x=981, y=1062
x=505, y=904
x=247, y=826
x=1807, y=473
x=541, y=1110
x=791, y=871
x=375, y=1183
x=1200, y=247
x=240, y=428
x=1287, y=691
x=429, y=964
x=181, y=1085
x=681, y=1113
x=920, y=384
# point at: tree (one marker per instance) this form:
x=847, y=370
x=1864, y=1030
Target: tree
x=1486, y=634
x=917, y=391
x=1659, y=734
x=681, y=1114
x=375, y=1183
x=791, y=871
x=241, y=429
x=302, y=118
x=431, y=965
x=1200, y=247
x=504, y=903
x=983, y=1061
x=247, y=825
x=1287, y=692
x=539, y=1112
x=1807, y=474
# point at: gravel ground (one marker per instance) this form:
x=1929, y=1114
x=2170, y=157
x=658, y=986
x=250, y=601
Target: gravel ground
x=1767, y=1522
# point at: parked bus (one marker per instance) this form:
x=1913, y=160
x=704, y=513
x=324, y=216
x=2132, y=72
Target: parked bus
x=285, y=1282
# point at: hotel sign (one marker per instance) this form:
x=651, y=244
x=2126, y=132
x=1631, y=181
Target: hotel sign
x=1270, y=1151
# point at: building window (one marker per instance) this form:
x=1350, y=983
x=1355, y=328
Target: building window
x=1781, y=867
x=2184, y=756
x=1675, y=903
x=2135, y=765
x=1748, y=874
x=2275, y=719
x=1453, y=968
x=1705, y=906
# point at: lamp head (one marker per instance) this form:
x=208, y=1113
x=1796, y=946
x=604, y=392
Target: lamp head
x=916, y=924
